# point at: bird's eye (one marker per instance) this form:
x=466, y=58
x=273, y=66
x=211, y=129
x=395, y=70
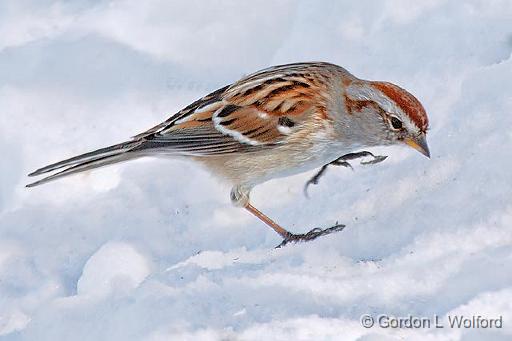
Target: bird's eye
x=396, y=123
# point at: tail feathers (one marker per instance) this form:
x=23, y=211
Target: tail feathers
x=95, y=159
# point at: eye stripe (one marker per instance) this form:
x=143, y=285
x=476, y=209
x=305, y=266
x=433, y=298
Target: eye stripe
x=405, y=101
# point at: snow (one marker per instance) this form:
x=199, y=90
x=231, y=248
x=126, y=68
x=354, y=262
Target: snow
x=115, y=267
x=153, y=249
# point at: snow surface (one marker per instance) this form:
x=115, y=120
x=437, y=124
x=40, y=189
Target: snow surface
x=153, y=250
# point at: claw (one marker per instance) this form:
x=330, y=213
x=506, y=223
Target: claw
x=343, y=161
x=314, y=179
x=313, y=234
x=376, y=159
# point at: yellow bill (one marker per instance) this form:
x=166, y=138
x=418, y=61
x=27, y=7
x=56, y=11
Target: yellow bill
x=420, y=144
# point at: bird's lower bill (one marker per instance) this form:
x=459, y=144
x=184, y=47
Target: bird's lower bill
x=420, y=144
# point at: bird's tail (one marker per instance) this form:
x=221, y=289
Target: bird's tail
x=95, y=159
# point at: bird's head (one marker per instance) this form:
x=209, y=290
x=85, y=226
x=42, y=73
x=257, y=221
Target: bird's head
x=392, y=114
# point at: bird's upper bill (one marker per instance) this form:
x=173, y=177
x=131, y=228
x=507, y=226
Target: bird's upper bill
x=419, y=143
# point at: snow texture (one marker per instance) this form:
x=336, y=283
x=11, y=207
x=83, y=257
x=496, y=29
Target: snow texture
x=153, y=250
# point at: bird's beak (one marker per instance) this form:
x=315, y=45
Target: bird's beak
x=419, y=143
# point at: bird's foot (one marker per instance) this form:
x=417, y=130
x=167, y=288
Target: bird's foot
x=344, y=161
x=376, y=159
x=313, y=234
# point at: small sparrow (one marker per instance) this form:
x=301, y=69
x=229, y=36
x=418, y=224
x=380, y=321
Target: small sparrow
x=274, y=123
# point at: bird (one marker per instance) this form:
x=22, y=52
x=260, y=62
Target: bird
x=276, y=122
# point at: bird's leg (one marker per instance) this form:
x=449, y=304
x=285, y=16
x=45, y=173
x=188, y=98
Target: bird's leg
x=343, y=161
x=314, y=180
x=240, y=198
x=272, y=224
x=291, y=237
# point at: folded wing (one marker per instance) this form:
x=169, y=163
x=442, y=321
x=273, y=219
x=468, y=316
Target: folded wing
x=260, y=111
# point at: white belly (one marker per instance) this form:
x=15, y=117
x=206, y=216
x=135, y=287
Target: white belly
x=253, y=168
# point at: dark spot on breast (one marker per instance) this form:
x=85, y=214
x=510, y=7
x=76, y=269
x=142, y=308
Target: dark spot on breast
x=285, y=122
